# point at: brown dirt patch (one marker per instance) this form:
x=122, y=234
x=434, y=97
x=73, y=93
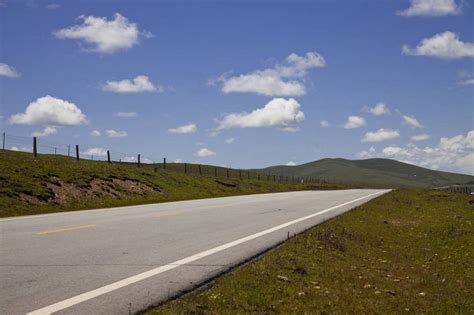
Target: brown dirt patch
x=65, y=192
x=30, y=199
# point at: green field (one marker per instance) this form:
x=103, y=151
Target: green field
x=52, y=183
x=404, y=252
x=377, y=173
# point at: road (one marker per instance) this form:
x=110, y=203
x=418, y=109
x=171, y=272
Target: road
x=122, y=260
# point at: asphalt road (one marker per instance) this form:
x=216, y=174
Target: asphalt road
x=122, y=260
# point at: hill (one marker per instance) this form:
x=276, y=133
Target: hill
x=372, y=172
x=52, y=183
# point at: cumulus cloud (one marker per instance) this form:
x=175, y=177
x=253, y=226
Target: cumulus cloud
x=411, y=121
x=53, y=6
x=466, y=82
x=50, y=111
x=445, y=45
x=431, y=8
x=139, y=84
x=8, y=71
x=47, y=131
x=190, y=128
x=279, y=113
x=134, y=159
x=95, y=152
x=95, y=133
x=454, y=154
x=420, y=137
x=290, y=163
x=115, y=134
x=281, y=80
x=324, y=123
x=378, y=109
x=205, y=152
x=380, y=135
x=126, y=114
x=354, y=122
x=229, y=140
x=103, y=35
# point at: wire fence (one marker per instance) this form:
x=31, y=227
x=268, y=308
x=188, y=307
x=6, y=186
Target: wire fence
x=39, y=146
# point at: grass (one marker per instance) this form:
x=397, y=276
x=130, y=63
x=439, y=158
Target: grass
x=373, y=173
x=406, y=251
x=53, y=183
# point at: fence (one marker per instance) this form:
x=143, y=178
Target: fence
x=39, y=145
x=458, y=189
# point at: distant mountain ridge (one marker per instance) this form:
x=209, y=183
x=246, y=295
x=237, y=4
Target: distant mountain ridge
x=372, y=172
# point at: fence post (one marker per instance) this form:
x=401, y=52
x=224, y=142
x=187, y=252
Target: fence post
x=200, y=171
x=164, y=163
x=77, y=152
x=68, y=150
x=4, y=137
x=215, y=171
x=185, y=168
x=55, y=151
x=139, y=160
x=35, y=147
x=227, y=173
x=108, y=156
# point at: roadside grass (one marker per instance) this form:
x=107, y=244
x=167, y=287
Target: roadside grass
x=404, y=252
x=53, y=183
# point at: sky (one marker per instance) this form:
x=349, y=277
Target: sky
x=244, y=84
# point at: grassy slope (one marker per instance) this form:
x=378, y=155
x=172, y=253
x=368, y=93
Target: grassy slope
x=376, y=172
x=22, y=175
x=406, y=251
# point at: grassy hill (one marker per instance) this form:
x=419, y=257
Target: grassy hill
x=371, y=172
x=52, y=183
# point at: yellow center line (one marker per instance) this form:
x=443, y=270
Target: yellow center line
x=66, y=229
x=167, y=213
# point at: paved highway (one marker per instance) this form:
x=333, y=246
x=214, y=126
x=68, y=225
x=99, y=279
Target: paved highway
x=122, y=260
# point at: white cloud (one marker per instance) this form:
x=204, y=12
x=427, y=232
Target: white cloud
x=205, y=152
x=354, y=122
x=103, y=35
x=95, y=152
x=178, y=161
x=444, y=45
x=139, y=84
x=95, y=133
x=281, y=80
x=22, y=149
x=324, y=123
x=50, y=111
x=411, y=121
x=290, y=163
x=47, y=131
x=279, y=112
x=454, y=154
x=53, y=6
x=115, y=134
x=380, y=135
x=431, y=8
x=420, y=137
x=229, y=141
x=190, y=128
x=378, y=109
x=134, y=159
x=466, y=82
x=126, y=114
x=8, y=71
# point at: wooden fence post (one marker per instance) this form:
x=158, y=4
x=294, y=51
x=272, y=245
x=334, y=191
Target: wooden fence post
x=35, y=147
x=200, y=171
x=77, y=152
x=164, y=163
x=227, y=173
x=138, y=160
x=185, y=168
x=4, y=138
x=108, y=156
x=215, y=171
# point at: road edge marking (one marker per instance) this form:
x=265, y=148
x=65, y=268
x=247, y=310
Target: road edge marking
x=156, y=271
x=72, y=228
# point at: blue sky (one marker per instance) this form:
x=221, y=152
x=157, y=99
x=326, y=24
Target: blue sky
x=221, y=71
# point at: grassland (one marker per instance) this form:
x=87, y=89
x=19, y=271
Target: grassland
x=52, y=183
x=377, y=173
x=404, y=252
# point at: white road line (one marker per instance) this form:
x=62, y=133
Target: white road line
x=153, y=272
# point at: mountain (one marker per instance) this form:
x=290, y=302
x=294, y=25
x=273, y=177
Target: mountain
x=371, y=173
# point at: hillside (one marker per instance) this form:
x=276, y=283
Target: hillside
x=371, y=172
x=52, y=183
